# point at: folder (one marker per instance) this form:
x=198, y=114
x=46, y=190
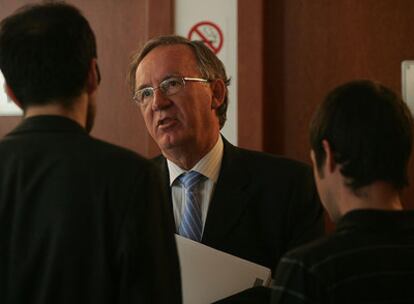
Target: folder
x=208, y=274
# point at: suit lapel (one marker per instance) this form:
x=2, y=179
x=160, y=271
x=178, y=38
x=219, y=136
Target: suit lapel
x=230, y=197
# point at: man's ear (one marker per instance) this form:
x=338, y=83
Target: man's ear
x=330, y=161
x=94, y=77
x=12, y=96
x=219, y=93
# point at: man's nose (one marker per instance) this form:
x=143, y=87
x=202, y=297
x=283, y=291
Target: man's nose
x=160, y=101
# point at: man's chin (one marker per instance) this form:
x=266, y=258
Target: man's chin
x=168, y=142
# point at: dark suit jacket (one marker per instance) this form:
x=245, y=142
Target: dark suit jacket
x=262, y=206
x=81, y=220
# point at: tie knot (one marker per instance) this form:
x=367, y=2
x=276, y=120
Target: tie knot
x=190, y=179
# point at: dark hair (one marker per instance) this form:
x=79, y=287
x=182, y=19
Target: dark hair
x=208, y=64
x=370, y=130
x=45, y=53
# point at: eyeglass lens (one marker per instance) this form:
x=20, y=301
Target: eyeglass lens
x=167, y=87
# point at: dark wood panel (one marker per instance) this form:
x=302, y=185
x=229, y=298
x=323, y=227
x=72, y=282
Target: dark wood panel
x=326, y=43
x=274, y=81
x=260, y=75
x=250, y=74
x=330, y=42
x=292, y=52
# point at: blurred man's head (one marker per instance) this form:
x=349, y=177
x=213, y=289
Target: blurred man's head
x=367, y=131
x=181, y=88
x=46, y=54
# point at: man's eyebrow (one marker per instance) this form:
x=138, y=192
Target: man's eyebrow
x=143, y=86
x=171, y=75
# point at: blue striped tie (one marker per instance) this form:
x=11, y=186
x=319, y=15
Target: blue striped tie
x=191, y=223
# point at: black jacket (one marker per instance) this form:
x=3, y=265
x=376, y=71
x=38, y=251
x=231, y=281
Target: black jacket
x=262, y=206
x=81, y=220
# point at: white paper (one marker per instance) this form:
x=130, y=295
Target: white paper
x=209, y=275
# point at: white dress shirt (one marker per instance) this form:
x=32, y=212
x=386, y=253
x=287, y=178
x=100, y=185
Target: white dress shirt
x=209, y=166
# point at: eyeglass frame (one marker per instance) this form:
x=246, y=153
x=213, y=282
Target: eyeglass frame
x=182, y=78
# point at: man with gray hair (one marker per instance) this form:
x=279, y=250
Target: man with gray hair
x=249, y=204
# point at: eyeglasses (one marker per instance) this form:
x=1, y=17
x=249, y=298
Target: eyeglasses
x=168, y=87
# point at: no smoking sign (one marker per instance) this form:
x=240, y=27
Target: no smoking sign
x=209, y=33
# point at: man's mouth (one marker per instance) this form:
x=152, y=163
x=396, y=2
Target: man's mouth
x=166, y=123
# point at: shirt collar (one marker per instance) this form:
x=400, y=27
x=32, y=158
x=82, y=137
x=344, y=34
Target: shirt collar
x=208, y=166
x=376, y=220
x=48, y=123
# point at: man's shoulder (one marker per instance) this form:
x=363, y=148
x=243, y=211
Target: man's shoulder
x=299, y=276
x=160, y=162
x=266, y=162
x=116, y=155
x=159, y=159
x=269, y=158
x=320, y=252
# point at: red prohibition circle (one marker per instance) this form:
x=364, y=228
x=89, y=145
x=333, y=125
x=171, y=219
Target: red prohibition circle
x=195, y=30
